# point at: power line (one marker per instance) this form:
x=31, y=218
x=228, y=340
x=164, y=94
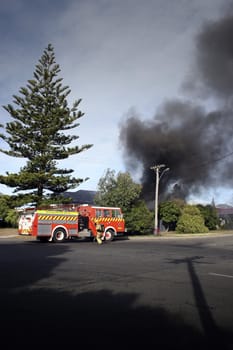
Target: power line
x=210, y=161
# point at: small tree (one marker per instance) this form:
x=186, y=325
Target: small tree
x=210, y=216
x=139, y=219
x=38, y=132
x=8, y=215
x=169, y=213
x=117, y=190
x=191, y=221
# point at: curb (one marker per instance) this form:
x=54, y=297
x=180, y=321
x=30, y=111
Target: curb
x=152, y=237
x=7, y=236
x=187, y=235
x=8, y=232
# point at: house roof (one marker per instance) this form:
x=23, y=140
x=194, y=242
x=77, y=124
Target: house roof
x=81, y=196
x=224, y=210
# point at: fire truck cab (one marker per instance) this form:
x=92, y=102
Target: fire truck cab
x=110, y=217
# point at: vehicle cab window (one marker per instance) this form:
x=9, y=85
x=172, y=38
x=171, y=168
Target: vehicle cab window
x=98, y=213
x=107, y=213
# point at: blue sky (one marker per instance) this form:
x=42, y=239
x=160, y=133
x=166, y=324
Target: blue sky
x=117, y=55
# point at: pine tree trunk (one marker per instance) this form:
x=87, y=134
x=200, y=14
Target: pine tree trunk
x=40, y=191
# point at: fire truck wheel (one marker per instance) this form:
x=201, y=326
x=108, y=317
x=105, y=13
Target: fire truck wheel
x=109, y=235
x=59, y=235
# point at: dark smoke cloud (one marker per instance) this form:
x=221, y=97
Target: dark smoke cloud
x=195, y=144
x=213, y=71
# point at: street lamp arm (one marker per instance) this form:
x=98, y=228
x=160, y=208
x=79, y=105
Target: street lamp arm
x=164, y=171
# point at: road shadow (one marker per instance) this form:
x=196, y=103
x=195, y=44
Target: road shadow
x=51, y=317
x=22, y=264
x=215, y=336
x=40, y=317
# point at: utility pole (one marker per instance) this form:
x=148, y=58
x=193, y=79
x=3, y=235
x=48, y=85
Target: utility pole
x=157, y=169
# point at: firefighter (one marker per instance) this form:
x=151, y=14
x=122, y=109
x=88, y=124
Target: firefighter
x=100, y=232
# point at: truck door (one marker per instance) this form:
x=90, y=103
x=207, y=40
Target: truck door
x=83, y=223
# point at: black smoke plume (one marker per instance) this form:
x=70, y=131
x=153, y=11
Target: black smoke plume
x=196, y=144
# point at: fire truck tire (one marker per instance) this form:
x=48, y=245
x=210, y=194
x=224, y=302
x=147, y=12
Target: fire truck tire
x=109, y=235
x=59, y=235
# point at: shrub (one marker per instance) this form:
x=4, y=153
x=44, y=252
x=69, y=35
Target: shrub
x=191, y=221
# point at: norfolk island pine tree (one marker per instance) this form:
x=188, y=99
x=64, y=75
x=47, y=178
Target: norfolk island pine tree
x=39, y=132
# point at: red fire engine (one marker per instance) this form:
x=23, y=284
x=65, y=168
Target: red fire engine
x=76, y=221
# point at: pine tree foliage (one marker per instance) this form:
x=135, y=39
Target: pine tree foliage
x=40, y=129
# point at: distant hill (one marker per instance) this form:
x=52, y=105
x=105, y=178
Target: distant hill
x=81, y=196
x=78, y=197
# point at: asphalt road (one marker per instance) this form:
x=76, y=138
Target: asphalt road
x=174, y=293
